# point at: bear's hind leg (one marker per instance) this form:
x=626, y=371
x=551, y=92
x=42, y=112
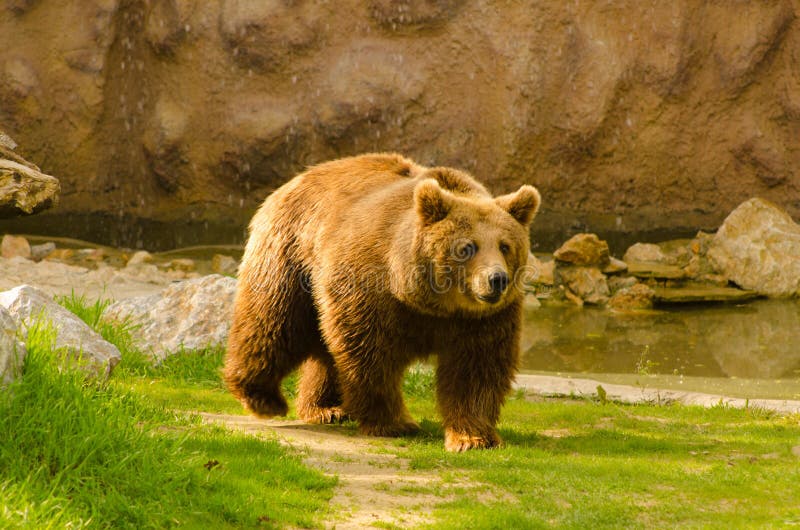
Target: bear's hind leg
x=274, y=328
x=319, y=399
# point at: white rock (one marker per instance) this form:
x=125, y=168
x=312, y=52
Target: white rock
x=12, y=352
x=189, y=315
x=139, y=257
x=758, y=248
x=222, y=264
x=27, y=304
x=644, y=252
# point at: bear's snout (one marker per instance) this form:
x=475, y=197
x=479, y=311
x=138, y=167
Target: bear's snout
x=492, y=287
x=498, y=281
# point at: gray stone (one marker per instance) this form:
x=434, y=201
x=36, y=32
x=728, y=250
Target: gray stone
x=226, y=265
x=39, y=252
x=758, y=248
x=586, y=283
x=12, y=351
x=644, y=252
x=188, y=315
x=617, y=283
x=26, y=304
x=140, y=257
x=25, y=191
x=614, y=266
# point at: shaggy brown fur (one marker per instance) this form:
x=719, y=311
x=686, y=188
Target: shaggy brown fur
x=359, y=266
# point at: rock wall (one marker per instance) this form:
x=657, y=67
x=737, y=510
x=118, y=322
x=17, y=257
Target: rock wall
x=631, y=117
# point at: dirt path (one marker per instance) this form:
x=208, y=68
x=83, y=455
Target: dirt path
x=373, y=486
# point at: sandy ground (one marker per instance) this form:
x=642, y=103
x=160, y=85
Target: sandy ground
x=374, y=486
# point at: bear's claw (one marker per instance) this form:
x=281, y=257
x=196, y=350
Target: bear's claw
x=457, y=442
x=323, y=415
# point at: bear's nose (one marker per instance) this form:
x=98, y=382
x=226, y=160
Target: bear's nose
x=498, y=281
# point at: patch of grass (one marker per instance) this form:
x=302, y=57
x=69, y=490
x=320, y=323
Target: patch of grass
x=578, y=464
x=77, y=453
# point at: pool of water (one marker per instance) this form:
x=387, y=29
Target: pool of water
x=747, y=350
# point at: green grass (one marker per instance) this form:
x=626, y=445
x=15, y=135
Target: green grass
x=76, y=453
x=582, y=464
x=121, y=455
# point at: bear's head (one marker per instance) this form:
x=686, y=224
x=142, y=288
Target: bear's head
x=472, y=247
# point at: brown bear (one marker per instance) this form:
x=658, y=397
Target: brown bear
x=359, y=266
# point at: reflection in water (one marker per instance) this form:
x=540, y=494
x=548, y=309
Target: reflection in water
x=756, y=340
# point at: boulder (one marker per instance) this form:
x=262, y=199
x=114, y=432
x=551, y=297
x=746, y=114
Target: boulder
x=617, y=283
x=584, y=250
x=758, y=248
x=225, y=265
x=39, y=252
x=140, y=257
x=25, y=191
x=187, y=315
x=12, y=351
x=644, y=252
x=15, y=246
x=638, y=296
x=614, y=266
x=586, y=283
x=26, y=304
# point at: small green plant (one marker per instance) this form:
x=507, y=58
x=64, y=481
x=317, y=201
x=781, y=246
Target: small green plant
x=644, y=365
x=602, y=396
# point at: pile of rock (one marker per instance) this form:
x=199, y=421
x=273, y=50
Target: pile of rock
x=756, y=252
x=98, y=271
x=586, y=273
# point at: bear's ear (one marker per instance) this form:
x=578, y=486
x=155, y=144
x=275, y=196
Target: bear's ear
x=522, y=204
x=431, y=201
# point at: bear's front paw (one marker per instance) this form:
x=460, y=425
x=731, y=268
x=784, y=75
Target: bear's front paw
x=322, y=414
x=266, y=406
x=402, y=428
x=457, y=442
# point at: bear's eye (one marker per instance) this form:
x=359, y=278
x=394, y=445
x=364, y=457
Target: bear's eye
x=504, y=248
x=466, y=251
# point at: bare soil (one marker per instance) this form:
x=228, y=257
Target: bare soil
x=374, y=486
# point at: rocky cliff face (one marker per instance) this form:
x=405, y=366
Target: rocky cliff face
x=630, y=116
